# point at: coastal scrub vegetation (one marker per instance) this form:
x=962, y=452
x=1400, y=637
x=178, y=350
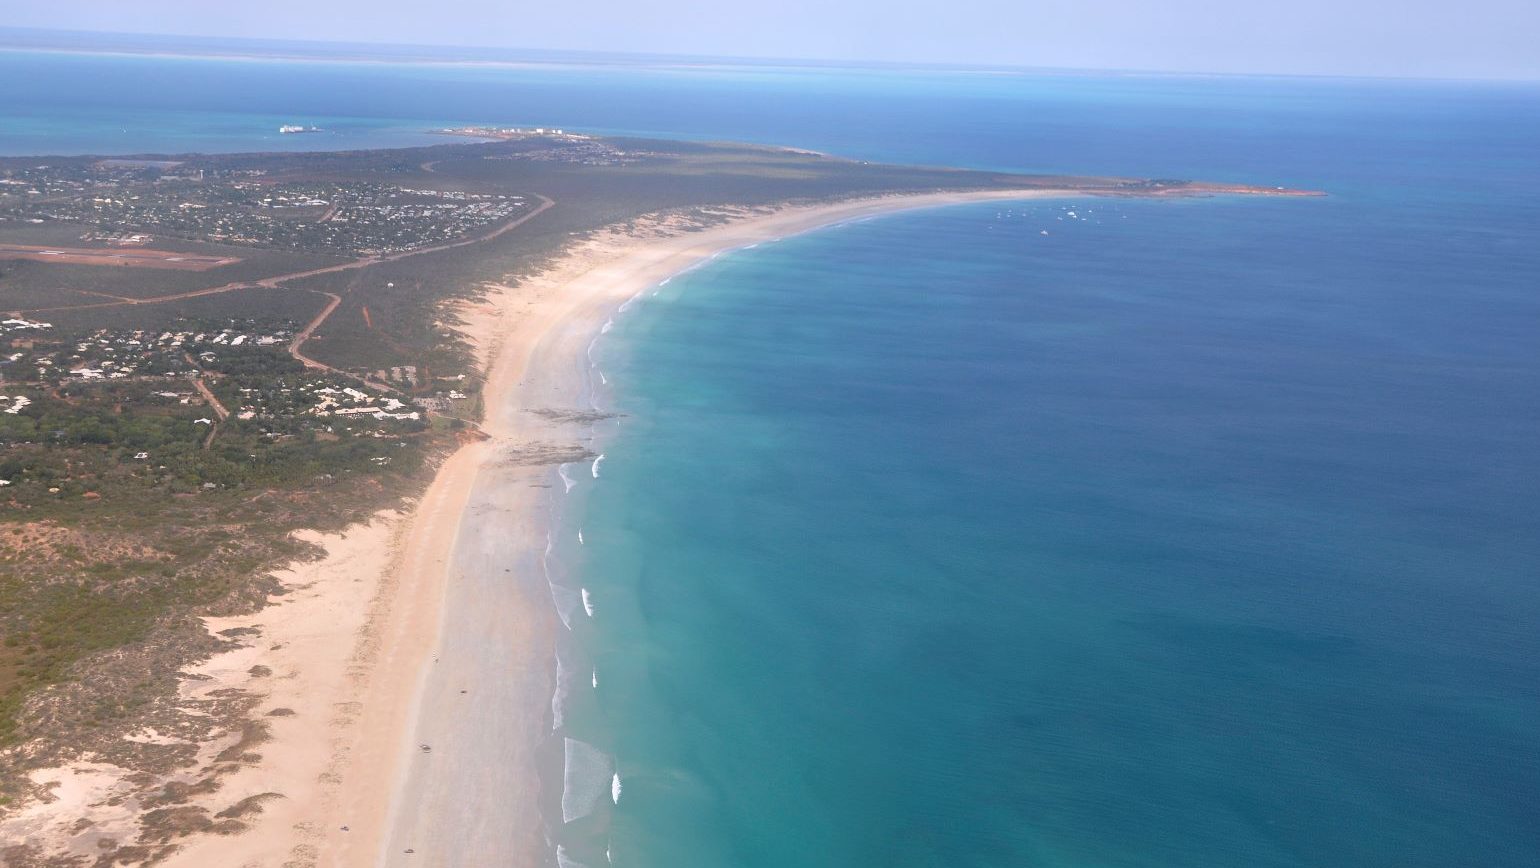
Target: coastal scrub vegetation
x=165, y=430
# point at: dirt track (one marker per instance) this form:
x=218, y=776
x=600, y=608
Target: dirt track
x=271, y=282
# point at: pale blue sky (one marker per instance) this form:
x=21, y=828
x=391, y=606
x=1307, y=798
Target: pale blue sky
x=1469, y=38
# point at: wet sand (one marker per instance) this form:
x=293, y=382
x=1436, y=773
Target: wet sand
x=452, y=646
x=473, y=798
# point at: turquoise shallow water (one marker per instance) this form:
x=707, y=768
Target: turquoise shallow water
x=1185, y=535
x=1189, y=534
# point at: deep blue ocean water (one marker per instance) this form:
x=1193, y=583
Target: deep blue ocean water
x=1199, y=533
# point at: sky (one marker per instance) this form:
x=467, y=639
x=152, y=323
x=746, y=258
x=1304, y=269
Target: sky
x=1403, y=38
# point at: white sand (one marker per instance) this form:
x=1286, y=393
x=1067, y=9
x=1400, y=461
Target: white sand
x=472, y=800
x=374, y=645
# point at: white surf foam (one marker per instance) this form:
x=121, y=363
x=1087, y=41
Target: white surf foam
x=566, y=602
x=559, y=695
x=595, y=468
x=608, y=324
x=615, y=788
x=565, y=861
x=566, y=479
x=583, y=775
x=580, y=536
x=603, y=379
x=632, y=300
x=588, y=603
x=562, y=598
x=595, y=679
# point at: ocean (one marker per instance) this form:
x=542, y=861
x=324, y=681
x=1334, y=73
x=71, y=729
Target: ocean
x=1189, y=533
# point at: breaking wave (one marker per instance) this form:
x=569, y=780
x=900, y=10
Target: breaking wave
x=588, y=603
x=583, y=778
x=595, y=468
x=632, y=300
x=566, y=479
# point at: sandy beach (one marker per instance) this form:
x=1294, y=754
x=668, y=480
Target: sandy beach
x=404, y=680
x=482, y=698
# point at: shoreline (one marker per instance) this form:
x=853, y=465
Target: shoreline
x=409, y=672
x=494, y=761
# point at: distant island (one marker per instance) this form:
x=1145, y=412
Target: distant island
x=510, y=133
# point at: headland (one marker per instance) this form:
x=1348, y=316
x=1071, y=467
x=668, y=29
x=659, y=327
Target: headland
x=346, y=709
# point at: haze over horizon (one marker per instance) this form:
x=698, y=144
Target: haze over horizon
x=1420, y=39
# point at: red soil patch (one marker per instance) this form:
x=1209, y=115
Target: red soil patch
x=139, y=258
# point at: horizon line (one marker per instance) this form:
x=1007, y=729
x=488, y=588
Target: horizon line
x=270, y=48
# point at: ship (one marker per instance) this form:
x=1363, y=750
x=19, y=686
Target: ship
x=296, y=128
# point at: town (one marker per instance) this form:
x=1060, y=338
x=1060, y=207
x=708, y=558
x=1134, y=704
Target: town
x=130, y=201
x=552, y=146
x=196, y=383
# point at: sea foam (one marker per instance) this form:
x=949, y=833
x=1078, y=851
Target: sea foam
x=559, y=695
x=563, y=598
x=566, y=601
x=632, y=300
x=583, y=778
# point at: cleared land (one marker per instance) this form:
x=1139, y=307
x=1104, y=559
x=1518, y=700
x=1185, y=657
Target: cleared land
x=140, y=258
